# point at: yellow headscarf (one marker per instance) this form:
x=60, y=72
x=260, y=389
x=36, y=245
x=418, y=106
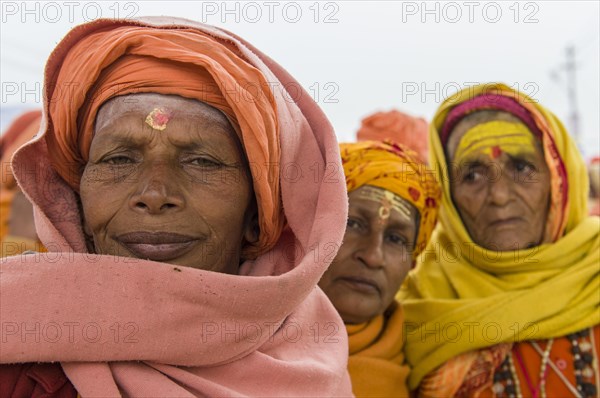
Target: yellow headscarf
x=462, y=297
x=397, y=169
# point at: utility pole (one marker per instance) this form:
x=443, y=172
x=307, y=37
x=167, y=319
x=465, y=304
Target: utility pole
x=570, y=68
x=570, y=83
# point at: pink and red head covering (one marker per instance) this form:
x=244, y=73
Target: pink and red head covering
x=487, y=102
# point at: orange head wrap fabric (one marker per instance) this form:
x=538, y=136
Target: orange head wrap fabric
x=185, y=62
x=21, y=130
x=412, y=132
x=18, y=133
x=397, y=169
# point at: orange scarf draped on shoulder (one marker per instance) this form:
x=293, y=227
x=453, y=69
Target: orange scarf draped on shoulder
x=376, y=362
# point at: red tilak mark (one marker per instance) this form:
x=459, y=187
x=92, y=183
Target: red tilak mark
x=496, y=152
x=161, y=118
x=158, y=118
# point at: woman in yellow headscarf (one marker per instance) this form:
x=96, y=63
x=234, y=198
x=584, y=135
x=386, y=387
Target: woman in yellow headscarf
x=393, y=203
x=505, y=300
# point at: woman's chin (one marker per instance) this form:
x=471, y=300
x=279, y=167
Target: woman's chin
x=505, y=241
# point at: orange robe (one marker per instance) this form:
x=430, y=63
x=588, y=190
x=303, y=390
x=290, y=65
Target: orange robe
x=479, y=381
x=376, y=362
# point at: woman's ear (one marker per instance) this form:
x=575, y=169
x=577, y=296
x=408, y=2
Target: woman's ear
x=251, y=229
x=87, y=231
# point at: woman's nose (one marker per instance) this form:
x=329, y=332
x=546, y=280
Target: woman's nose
x=500, y=191
x=371, y=254
x=158, y=190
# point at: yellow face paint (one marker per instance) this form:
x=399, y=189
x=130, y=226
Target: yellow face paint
x=158, y=118
x=388, y=201
x=495, y=138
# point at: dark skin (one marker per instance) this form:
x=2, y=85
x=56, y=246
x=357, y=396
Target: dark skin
x=181, y=195
x=372, y=262
x=502, y=202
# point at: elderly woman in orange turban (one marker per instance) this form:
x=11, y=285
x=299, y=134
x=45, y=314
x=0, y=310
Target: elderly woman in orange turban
x=157, y=180
x=393, y=203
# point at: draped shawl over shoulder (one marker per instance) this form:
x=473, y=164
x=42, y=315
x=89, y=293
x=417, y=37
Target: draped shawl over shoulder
x=462, y=297
x=143, y=328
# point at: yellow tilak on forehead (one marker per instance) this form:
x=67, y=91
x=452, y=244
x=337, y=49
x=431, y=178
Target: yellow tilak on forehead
x=158, y=118
x=389, y=201
x=494, y=138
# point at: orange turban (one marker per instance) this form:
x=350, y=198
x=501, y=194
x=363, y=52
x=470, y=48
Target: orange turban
x=398, y=127
x=184, y=62
x=397, y=169
x=20, y=131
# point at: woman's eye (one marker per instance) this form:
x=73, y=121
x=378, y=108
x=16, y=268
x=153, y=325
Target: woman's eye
x=523, y=166
x=118, y=160
x=473, y=175
x=205, y=162
x=397, y=239
x=352, y=224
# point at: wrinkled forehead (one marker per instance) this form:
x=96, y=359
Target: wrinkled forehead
x=372, y=199
x=176, y=118
x=157, y=105
x=475, y=119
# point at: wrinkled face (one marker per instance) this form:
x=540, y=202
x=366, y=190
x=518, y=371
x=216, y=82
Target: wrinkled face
x=500, y=182
x=167, y=181
x=375, y=256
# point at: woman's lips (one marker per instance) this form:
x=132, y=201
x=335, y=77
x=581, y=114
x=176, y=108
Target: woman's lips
x=364, y=285
x=157, y=246
x=509, y=222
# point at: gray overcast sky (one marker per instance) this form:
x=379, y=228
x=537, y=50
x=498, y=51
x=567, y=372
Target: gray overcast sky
x=357, y=57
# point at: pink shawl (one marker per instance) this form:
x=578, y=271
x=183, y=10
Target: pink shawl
x=132, y=327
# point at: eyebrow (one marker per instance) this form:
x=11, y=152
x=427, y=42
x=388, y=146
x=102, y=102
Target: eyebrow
x=125, y=136
x=114, y=138
x=522, y=156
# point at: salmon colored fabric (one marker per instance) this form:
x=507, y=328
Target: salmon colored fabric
x=12, y=135
x=399, y=127
x=376, y=362
x=397, y=169
x=187, y=63
x=132, y=327
x=18, y=133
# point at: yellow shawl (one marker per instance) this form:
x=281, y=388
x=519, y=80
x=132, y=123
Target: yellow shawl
x=376, y=362
x=462, y=297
